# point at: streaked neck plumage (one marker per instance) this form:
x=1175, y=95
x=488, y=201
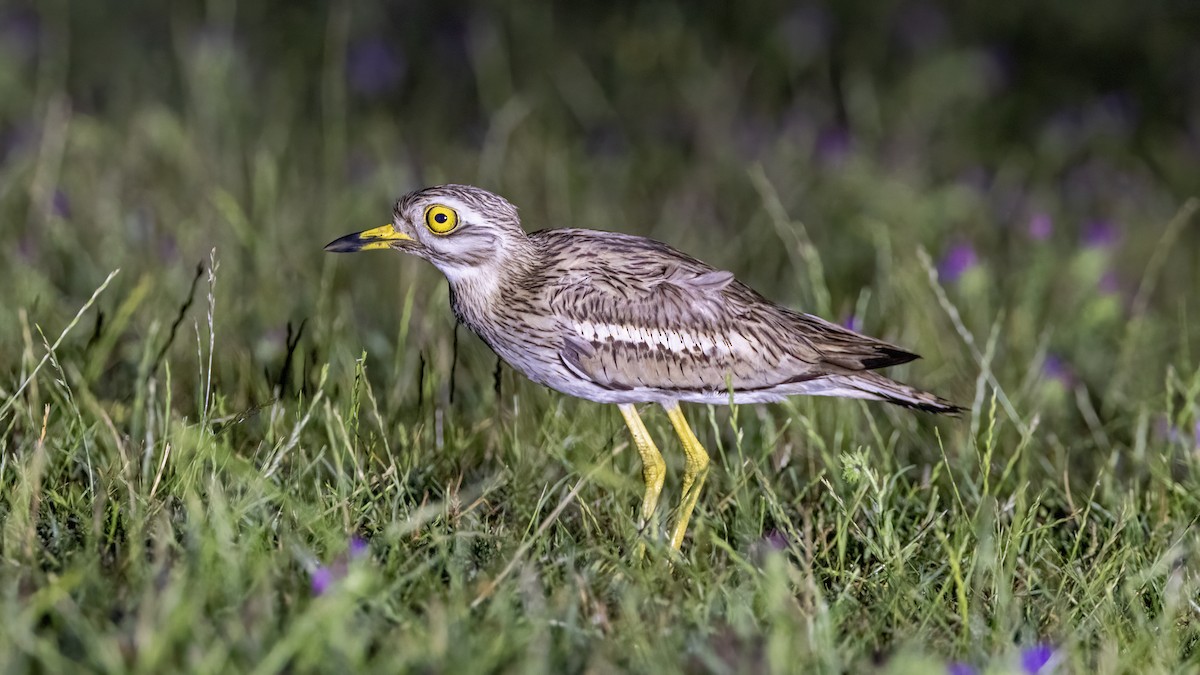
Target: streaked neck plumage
x=477, y=287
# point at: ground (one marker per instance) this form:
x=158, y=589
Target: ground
x=222, y=449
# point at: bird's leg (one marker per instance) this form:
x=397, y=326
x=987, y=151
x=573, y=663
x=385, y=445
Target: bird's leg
x=694, y=472
x=654, y=469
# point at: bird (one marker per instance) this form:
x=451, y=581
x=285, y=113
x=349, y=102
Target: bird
x=621, y=319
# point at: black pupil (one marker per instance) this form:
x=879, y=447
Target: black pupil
x=440, y=217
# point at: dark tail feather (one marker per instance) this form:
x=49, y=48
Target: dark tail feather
x=881, y=388
x=886, y=355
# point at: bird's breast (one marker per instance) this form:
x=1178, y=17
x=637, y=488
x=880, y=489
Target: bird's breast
x=517, y=327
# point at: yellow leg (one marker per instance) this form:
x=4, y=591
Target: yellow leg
x=654, y=470
x=694, y=472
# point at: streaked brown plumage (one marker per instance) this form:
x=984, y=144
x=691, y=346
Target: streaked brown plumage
x=621, y=319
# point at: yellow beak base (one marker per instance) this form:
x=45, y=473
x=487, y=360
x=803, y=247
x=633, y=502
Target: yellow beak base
x=379, y=237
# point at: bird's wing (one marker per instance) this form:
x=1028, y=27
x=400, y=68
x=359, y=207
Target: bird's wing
x=656, y=318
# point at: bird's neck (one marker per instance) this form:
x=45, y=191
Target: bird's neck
x=476, y=290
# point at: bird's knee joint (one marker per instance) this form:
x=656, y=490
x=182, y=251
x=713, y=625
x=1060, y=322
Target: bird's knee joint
x=654, y=474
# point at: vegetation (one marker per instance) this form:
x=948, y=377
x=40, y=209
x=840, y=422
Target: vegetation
x=224, y=450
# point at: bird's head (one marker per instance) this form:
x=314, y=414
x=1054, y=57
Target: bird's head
x=465, y=231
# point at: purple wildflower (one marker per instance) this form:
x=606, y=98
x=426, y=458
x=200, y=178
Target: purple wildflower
x=20, y=32
x=851, y=322
x=1035, y=658
x=322, y=578
x=1110, y=283
x=373, y=67
x=960, y=668
x=1040, y=227
x=1175, y=434
x=1064, y=124
x=833, y=145
x=775, y=540
x=772, y=541
x=168, y=247
x=1055, y=368
x=960, y=259
x=1166, y=430
x=1121, y=109
x=61, y=205
x=976, y=178
x=325, y=576
x=28, y=248
x=752, y=135
x=1100, y=234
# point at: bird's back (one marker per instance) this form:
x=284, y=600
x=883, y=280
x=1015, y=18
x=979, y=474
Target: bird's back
x=614, y=317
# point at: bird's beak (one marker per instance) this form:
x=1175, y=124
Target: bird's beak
x=379, y=237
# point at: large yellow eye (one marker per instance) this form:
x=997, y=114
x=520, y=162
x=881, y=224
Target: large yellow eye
x=440, y=219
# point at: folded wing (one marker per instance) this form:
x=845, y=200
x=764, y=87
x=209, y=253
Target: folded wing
x=672, y=323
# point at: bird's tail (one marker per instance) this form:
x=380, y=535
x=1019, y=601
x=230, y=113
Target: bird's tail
x=877, y=387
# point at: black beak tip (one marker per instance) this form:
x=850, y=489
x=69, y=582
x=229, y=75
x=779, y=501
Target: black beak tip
x=348, y=244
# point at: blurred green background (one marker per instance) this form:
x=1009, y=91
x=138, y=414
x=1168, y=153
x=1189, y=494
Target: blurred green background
x=1006, y=188
x=140, y=138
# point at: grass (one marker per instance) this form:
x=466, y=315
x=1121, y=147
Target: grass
x=186, y=443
